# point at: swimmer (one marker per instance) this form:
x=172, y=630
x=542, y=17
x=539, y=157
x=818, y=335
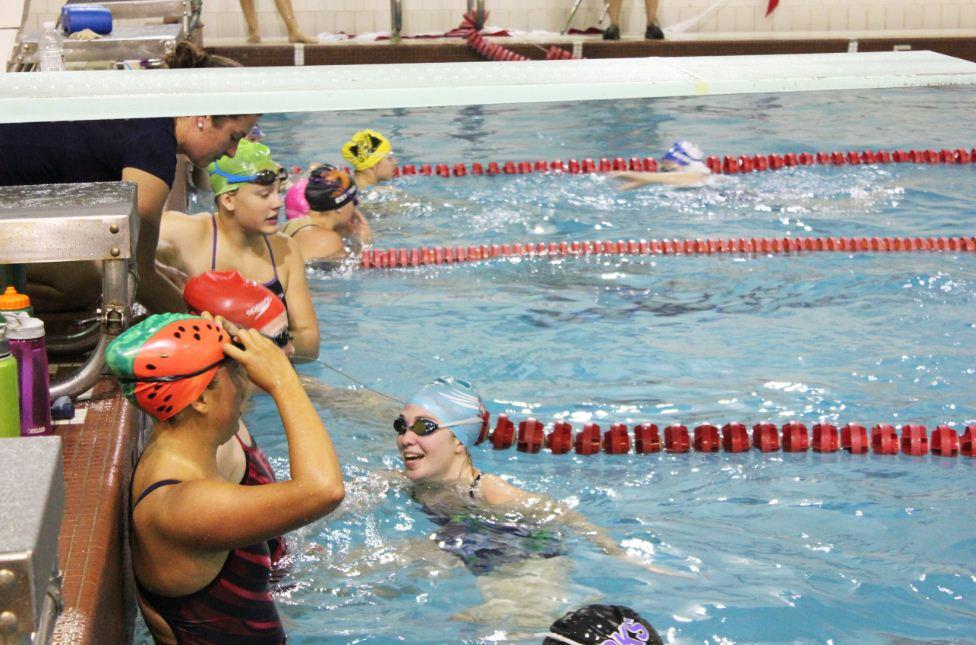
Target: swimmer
x=243, y=235
x=511, y=539
x=602, y=625
x=322, y=212
x=371, y=157
x=682, y=165
x=200, y=543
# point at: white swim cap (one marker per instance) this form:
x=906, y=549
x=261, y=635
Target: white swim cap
x=688, y=156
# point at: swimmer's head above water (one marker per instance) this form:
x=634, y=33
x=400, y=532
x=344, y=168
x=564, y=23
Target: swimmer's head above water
x=369, y=152
x=684, y=156
x=243, y=302
x=245, y=188
x=436, y=428
x=326, y=189
x=167, y=361
x=602, y=625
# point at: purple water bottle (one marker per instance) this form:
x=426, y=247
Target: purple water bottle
x=26, y=338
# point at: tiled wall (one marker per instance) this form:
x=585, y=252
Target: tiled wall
x=225, y=23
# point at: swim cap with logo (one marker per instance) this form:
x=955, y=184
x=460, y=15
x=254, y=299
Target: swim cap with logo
x=228, y=173
x=602, y=625
x=366, y=149
x=241, y=301
x=688, y=156
x=165, y=362
x=452, y=399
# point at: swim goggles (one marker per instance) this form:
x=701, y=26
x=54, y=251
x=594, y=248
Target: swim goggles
x=282, y=338
x=175, y=377
x=423, y=426
x=264, y=177
x=317, y=176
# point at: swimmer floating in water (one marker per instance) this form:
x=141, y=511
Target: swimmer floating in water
x=322, y=213
x=511, y=539
x=372, y=158
x=682, y=165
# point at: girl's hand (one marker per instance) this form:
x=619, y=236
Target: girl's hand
x=266, y=365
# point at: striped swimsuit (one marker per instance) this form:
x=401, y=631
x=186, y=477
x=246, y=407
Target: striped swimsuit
x=235, y=607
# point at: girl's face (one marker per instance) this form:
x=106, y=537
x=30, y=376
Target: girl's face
x=431, y=457
x=254, y=207
x=384, y=169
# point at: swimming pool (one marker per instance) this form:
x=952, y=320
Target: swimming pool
x=793, y=547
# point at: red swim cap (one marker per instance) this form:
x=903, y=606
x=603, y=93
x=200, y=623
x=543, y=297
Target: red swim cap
x=241, y=301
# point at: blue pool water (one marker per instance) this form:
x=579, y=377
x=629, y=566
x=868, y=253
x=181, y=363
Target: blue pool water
x=790, y=547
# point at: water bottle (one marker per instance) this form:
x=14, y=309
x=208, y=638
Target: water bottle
x=50, y=49
x=25, y=336
x=12, y=302
x=9, y=390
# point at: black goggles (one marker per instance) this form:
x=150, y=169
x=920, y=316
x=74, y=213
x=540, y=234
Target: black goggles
x=174, y=377
x=423, y=426
x=281, y=339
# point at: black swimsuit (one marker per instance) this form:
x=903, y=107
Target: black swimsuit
x=274, y=284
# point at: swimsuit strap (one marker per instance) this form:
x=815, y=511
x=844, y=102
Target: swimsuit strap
x=213, y=254
x=274, y=267
x=302, y=228
x=474, y=485
x=152, y=487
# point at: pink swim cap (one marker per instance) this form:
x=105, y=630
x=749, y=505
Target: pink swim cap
x=295, y=203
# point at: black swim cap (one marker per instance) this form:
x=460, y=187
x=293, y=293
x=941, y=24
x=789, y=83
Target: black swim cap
x=329, y=188
x=602, y=625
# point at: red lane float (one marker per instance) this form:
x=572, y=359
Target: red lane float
x=884, y=439
x=729, y=165
x=391, y=258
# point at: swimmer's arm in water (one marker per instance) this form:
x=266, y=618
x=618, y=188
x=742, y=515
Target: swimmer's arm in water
x=638, y=179
x=302, y=322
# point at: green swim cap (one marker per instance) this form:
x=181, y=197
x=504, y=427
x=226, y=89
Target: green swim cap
x=228, y=173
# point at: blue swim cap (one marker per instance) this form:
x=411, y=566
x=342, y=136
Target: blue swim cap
x=452, y=399
x=688, y=156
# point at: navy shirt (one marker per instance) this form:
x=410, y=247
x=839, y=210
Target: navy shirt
x=84, y=151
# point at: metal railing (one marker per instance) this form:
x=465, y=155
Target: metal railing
x=76, y=222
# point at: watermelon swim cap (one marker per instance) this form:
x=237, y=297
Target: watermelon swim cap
x=243, y=302
x=366, y=149
x=228, y=173
x=452, y=399
x=166, y=361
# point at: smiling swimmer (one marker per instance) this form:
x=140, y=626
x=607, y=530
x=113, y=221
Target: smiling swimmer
x=682, y=165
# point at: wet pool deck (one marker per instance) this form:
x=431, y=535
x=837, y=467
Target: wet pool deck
x=100, y=446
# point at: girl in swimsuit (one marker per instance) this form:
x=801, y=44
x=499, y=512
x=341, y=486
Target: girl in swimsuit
x=200, y=543
x=511, y=539
x=322, y=213
x=243, y=235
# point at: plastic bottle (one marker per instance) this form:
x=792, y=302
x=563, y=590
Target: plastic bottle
x=50, y=49
x=12, y=302
x=9, y=391
x=25, y=336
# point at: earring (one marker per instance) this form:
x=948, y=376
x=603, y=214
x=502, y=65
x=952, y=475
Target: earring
x=200, y=124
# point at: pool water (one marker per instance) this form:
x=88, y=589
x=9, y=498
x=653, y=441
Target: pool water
x=783, y=547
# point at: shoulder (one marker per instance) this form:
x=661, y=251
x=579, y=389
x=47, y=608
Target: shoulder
x=295, y=225
x=498, y=492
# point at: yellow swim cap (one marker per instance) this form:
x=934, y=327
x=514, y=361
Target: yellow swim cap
x=366, y=149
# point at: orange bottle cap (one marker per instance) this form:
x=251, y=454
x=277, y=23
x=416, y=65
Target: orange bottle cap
x=13, y=300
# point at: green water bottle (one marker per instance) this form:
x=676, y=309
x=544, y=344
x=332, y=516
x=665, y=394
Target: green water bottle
x=9, y=390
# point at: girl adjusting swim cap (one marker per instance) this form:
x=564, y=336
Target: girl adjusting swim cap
x=165, y=362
